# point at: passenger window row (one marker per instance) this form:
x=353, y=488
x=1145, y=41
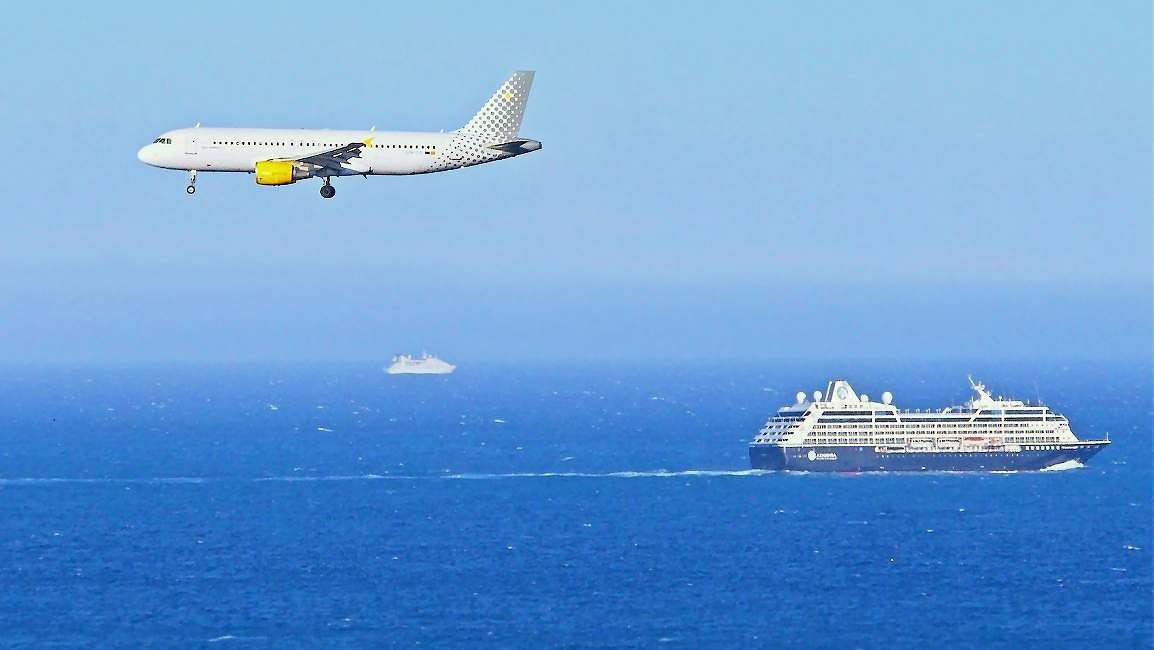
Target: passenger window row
x=313, y=144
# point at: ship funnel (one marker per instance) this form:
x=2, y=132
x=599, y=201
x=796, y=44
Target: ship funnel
x=840, y=390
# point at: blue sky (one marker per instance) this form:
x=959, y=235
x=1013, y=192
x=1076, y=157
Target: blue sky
x=764, y=180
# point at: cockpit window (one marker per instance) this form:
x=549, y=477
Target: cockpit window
x=162, y=141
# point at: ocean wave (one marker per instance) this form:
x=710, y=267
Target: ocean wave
x=334, y=477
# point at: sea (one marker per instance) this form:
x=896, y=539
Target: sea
x=549, y=505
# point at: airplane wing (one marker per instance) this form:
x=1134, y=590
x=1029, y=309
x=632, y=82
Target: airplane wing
x=334, y=159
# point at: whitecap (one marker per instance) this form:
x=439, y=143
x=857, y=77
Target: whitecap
x=1066, y=465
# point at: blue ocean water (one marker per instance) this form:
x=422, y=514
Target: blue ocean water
x=597, y=505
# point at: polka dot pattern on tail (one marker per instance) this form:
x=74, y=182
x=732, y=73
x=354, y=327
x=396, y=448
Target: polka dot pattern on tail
x=498, y=122
x=500, y=118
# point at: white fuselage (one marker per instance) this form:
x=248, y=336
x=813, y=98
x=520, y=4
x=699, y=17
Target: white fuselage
x=285, y=156
x=390, y=152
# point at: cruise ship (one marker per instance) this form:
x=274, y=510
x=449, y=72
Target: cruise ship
x=426, y=364
x=840, y=431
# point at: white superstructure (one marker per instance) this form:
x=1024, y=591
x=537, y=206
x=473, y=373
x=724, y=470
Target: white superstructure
x=842, y=417
x=426, y=364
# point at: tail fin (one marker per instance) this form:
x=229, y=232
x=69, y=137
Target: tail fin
x=500, y=118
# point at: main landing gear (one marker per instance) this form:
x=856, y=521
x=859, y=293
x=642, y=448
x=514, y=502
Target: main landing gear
x=191, y=189
x=327, y=190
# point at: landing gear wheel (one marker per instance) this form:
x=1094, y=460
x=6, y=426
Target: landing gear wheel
x=328, y=191
x=191, y=189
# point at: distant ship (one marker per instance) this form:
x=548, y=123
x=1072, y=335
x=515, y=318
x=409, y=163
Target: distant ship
x=843, y=432
x=426, y=364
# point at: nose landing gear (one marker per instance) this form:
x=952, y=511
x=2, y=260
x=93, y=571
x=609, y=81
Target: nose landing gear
x=327, y=190
x=191, y=189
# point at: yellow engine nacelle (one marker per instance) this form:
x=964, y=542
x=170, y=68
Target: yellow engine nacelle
x=279, y=172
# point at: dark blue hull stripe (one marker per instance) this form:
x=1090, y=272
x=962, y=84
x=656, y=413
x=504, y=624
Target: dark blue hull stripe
x=868, y=459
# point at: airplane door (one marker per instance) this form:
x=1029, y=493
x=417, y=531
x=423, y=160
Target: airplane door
x=191, y=144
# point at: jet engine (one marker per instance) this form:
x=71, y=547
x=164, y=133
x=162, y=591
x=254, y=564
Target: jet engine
x=279, y=172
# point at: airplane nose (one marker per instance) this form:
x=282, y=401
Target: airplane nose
x=145, y=154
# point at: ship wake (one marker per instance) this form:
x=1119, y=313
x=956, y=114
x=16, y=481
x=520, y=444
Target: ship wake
x=659, y=473
x=485, y=476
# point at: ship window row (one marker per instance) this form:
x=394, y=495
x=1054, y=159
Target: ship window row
x=829, y=416
x=1035, y=436
x=832, y=440
x=917, y=427
x=926, y=420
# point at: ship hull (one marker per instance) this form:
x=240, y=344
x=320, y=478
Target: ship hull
x=870, y=459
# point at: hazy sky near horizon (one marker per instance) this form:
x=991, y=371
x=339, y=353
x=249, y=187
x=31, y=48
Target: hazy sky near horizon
x=735, y=179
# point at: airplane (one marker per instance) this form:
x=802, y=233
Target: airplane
x=285, y=156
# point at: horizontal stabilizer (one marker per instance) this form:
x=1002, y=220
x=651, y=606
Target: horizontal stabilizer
x=517, y=147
